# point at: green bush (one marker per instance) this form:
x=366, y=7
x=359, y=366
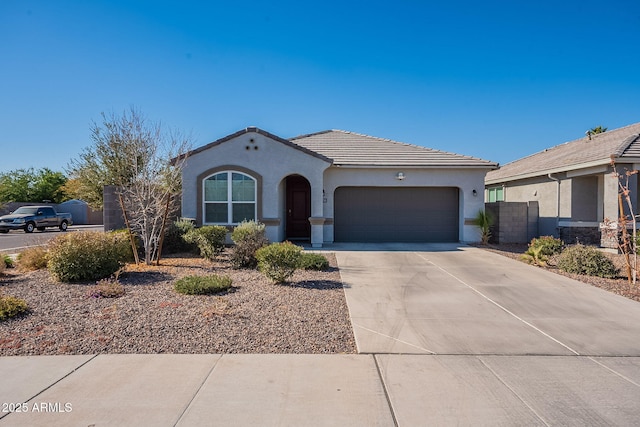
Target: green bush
x=11, y=307
x=312, y=261
x=95, y=255
x=126, y=251
x=34, y=258
x=8, y=261
x=587, y=260
x=174, y=241
x=279, y=261
x=202, y=285
x=3, y=266
x=209, y=240
x=248, y=236
x=541, y=248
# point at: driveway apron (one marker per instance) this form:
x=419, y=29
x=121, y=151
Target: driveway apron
x=455, y=299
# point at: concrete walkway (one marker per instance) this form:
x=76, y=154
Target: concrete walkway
x=448, y=335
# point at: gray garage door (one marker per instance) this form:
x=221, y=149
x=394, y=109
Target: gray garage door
x=384, y=214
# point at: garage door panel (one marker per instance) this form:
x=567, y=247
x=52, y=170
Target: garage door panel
x=387, y=214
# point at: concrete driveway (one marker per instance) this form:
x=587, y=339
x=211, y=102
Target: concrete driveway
x=467, y=337
x=450, y=299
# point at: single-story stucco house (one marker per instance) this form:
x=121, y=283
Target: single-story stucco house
x=572, y=183
x=334, y=186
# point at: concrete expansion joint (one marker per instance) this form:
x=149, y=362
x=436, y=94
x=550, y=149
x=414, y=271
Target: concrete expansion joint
x=386, y=391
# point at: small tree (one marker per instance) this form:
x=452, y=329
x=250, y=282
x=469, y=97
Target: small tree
x=618, y=230
x=136, y=156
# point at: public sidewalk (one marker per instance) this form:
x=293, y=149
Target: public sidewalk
x=318, y=390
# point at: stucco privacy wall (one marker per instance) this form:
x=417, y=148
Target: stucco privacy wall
x=466, y=180
x=267, y=160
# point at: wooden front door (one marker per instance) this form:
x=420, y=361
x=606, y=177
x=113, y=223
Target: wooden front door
x=298, y=208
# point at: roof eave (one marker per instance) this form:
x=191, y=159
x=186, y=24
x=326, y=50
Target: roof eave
x=553, y=170
x=491, y=166
x=256, y=130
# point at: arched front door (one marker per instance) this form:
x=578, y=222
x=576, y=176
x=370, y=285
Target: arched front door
x=298, y=208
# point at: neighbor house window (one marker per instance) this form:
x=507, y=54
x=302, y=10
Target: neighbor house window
x=229, y=198
x=496, y=194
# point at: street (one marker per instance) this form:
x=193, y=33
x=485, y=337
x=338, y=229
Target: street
x=16, y=240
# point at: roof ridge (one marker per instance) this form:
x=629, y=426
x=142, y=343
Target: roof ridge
x=306, y=135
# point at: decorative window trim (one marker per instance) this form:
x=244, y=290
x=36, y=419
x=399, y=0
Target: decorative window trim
x=200, y=217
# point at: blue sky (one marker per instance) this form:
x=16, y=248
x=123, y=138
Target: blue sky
x=495, y=79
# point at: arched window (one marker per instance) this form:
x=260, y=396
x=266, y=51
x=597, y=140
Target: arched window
x=229, y=198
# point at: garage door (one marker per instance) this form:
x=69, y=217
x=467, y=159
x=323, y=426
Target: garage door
x=385, y=214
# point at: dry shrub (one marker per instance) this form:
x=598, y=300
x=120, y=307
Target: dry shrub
x=108, y=288
x=32, y=259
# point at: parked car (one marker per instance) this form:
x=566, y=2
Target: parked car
x=29, y=218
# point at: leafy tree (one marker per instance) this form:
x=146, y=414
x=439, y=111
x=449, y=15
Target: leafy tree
x=596, y=130
x=28, y=185
x=136, y=156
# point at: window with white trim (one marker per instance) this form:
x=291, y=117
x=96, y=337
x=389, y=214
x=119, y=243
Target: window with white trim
x=496, y=194
x=229, y=198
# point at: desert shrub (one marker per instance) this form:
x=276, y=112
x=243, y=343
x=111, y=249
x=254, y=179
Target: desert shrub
x=279, y=261
x=108, y=288
x=312, y=261
x=587, y=260
x=7, y=260
x=126, y=251
x=34, y=258
x=87, y=256
x=209, y=240
x=202, y=285
x=484, y=220
x=3, y=266
x=11, y=307
x=541, y=248
x=248, y=236
x=174, y=241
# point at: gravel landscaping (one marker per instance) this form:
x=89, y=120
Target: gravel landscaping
x=307, y=315
x=618, y=285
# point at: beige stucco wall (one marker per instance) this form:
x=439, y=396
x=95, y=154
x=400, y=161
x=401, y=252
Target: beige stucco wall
x=272, y=160
x=466, y=180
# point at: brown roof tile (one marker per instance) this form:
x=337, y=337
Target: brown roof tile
x=354, y=149
x=622, y=143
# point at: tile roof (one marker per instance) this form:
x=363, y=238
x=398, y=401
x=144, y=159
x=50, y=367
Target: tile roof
x=353, y=149
x=623, y=143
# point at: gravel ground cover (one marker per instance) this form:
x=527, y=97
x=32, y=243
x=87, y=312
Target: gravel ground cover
x=307, y=315
x=618, y=285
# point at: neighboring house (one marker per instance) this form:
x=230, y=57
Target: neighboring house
x=572, y=183
x=334, y=186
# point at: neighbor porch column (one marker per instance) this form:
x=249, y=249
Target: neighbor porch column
x=610, y=208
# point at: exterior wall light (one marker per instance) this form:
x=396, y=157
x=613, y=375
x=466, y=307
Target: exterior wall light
x=400, y=176
x=475, y=193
